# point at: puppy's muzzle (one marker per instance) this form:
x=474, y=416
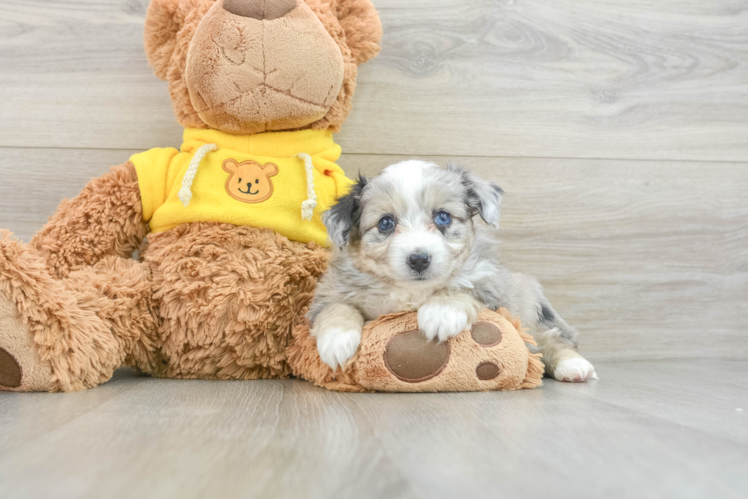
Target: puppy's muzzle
x=419, y=262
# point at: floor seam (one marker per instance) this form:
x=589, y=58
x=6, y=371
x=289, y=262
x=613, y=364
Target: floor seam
x=418, y=155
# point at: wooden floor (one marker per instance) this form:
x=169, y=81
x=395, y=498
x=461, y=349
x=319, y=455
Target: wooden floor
x=619, y=131
x=646, y=429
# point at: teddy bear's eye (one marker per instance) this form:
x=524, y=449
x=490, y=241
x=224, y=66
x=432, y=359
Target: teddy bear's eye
x=257, y=181
x=240, y=180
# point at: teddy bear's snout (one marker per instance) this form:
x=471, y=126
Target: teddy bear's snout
x=246, y=76
x=259, y=9
x=249, y=189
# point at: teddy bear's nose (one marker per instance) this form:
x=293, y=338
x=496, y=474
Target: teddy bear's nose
x=260, y=9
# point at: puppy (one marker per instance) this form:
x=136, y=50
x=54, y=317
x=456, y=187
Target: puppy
x=409, y=240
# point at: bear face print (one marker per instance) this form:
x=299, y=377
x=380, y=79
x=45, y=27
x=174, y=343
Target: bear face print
x=249, y=181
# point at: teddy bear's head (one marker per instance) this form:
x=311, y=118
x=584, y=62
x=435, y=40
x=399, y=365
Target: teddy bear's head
x=250, y=66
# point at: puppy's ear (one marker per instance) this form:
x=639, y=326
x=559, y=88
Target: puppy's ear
x=482, y=196
x=345, y=215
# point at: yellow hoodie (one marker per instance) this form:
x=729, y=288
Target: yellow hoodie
x=278, y=180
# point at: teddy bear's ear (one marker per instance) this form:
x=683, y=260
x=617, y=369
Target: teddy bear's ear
x=270, y=169
x=230, y=166
x=363, y=29
x=163, y=21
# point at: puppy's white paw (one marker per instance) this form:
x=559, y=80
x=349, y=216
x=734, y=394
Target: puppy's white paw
x=441, y=321
x=575, y=370
x=337, y=346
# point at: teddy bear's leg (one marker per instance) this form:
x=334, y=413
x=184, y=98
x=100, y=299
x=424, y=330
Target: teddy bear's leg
x=228, y=298
x=70, y=334
x=105, y=219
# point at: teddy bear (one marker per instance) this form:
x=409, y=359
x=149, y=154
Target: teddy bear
x=227, y=228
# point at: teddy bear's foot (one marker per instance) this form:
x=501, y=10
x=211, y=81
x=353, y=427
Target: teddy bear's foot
x=51, y=335
x=396, y=356
x=412, y=358
x=21, y=368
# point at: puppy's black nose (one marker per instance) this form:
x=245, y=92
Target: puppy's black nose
x=419, y=261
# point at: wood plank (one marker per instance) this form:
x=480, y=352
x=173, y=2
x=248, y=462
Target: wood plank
x=647, y=259
x=75, y=74
x=558, y=78
x=701, y=395
x=166, y=438
x=34, y=181
x=32, y=416
x=539, y=78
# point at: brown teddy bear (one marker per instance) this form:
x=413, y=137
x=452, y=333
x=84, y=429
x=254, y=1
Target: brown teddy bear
x=235, y=240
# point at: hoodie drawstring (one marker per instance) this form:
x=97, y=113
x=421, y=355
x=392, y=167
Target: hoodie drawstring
x=307, y=208
x=185, y=193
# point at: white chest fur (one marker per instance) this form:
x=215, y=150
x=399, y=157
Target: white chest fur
x=387, y=300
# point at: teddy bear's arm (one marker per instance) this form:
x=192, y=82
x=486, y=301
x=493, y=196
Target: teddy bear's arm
x=106, y=218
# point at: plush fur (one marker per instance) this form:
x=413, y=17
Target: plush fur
x=82, y=327
x=228, y=298
x=106, y=218
x=247, y=76
x=211, y=301
x=205, y=300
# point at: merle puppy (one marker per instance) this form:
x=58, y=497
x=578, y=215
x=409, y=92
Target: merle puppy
x=409, y=240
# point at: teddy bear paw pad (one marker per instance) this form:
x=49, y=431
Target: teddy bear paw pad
x=10, y=371
x=21, y=368
x=486, y=334
x=412, y=358
x=487, y=371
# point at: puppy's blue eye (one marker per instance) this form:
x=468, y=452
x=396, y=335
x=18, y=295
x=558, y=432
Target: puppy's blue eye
x=443, y=219
x=386, y=224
